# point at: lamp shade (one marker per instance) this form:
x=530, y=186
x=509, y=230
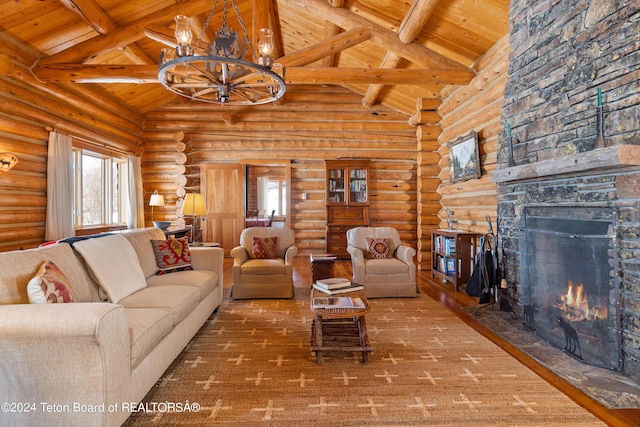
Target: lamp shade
x=156, y=200
x=193, y=205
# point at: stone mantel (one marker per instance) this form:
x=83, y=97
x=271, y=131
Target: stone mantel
x=602, y=159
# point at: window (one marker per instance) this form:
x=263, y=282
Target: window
x=99, y=183
x=277, y=197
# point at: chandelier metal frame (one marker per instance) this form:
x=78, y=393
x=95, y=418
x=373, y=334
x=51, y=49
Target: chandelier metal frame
x=222, y=75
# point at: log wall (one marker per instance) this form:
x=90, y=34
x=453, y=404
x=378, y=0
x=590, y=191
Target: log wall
x=27, y=106
x=408, y=175
x=311, y=125
x=474, y=107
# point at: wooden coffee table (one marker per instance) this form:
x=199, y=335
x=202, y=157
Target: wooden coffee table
x=340, y=329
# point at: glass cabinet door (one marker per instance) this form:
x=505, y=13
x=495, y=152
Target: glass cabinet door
x=358, y=186
x=336, y=186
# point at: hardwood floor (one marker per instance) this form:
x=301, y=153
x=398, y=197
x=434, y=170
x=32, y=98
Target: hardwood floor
x=454, y=301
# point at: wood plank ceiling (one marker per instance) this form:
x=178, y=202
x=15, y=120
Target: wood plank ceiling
x=394, y=52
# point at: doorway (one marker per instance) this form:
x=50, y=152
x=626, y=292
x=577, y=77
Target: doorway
x=267, y=192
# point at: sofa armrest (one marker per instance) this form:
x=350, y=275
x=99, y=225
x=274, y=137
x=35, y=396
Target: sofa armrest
x=290, y=255
x=405, y=254
x=65, y=354
x=239, y=255
x=207, y=258
x=357, y=264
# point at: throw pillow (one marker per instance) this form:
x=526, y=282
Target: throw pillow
x=113, y=264
x=264, y=247
x=378, y=248
x=172, y=255
x=49, y=285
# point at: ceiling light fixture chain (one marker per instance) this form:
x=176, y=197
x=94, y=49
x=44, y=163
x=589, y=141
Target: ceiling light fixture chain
x=223, y=75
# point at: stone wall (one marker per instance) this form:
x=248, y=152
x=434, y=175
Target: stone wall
x=563, y=51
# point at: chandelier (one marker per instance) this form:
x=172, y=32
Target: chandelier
x=218, y=72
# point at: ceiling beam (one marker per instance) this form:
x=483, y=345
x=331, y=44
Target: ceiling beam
x=331, y=30
x=93, y=73
x=93, y=14
x=123, y=36
x=101, y=22
x=413, y=22
x=414, y=52
x=388, y=76
x=326, y=47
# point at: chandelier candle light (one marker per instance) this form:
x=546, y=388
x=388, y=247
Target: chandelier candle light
x=219, y=73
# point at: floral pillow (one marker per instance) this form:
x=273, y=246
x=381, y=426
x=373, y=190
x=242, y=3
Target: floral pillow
x=172, y=255
x=378, y=248
x=50, y=285
x=264, y=247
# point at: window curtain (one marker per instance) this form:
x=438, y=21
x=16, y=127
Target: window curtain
x=135, y=193
x=59, y=217
x=263, y=193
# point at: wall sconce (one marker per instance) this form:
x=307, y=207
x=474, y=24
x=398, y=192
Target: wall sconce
x=194, y=206
x=7, y=161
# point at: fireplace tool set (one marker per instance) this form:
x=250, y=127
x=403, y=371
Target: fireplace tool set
x=492, y=279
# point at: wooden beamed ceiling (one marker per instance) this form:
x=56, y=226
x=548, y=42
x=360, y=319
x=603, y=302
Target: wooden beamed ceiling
x=390, y=52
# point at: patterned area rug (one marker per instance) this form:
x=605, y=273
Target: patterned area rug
x=251, y=364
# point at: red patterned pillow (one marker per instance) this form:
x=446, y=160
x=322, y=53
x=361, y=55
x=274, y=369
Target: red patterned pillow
x=172, y=255
x=378, y=248
x=264, y=247
x=49, y=285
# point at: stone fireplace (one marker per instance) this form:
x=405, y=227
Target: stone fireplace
x=568, y=178
x=570, y=288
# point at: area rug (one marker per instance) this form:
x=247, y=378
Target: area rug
x=251, y=364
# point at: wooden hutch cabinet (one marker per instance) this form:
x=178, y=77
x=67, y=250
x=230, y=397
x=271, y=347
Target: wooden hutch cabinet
x=347, y=187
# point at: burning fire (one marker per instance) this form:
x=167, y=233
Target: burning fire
x=575, y=305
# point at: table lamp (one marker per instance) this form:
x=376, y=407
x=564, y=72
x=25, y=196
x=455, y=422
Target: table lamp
x=193, y=205
x=156, y=200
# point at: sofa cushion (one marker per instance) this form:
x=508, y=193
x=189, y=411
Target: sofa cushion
x=147, y=326
x=114, y=264
x=264, y=247
x=50, y=285
x=206, y=281
x=18, y=267
x=385, y=266
x=172, y=255
x=178, y=300
x=264, y=266
x=140, y=239
x=378, y=248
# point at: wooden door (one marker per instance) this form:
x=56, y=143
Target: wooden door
x=223, y=189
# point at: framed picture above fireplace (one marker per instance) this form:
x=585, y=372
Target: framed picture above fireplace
x=464, y=159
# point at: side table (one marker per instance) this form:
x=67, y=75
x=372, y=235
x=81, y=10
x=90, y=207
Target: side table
x=340, y=329
x=321, y=266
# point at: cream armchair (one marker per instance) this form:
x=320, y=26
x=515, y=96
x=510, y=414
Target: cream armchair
x=392, y=273
x=268, y=277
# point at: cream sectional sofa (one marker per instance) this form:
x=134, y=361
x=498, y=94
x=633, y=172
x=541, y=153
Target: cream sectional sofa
x=88, y=362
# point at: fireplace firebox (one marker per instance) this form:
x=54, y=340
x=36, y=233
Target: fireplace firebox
x=570, y=288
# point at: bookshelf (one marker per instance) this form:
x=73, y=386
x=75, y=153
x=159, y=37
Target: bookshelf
x=453, y=255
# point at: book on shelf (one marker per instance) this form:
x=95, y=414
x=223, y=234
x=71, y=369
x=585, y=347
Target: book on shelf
x=333, y=282
x=352, y=288
x=337, y=302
